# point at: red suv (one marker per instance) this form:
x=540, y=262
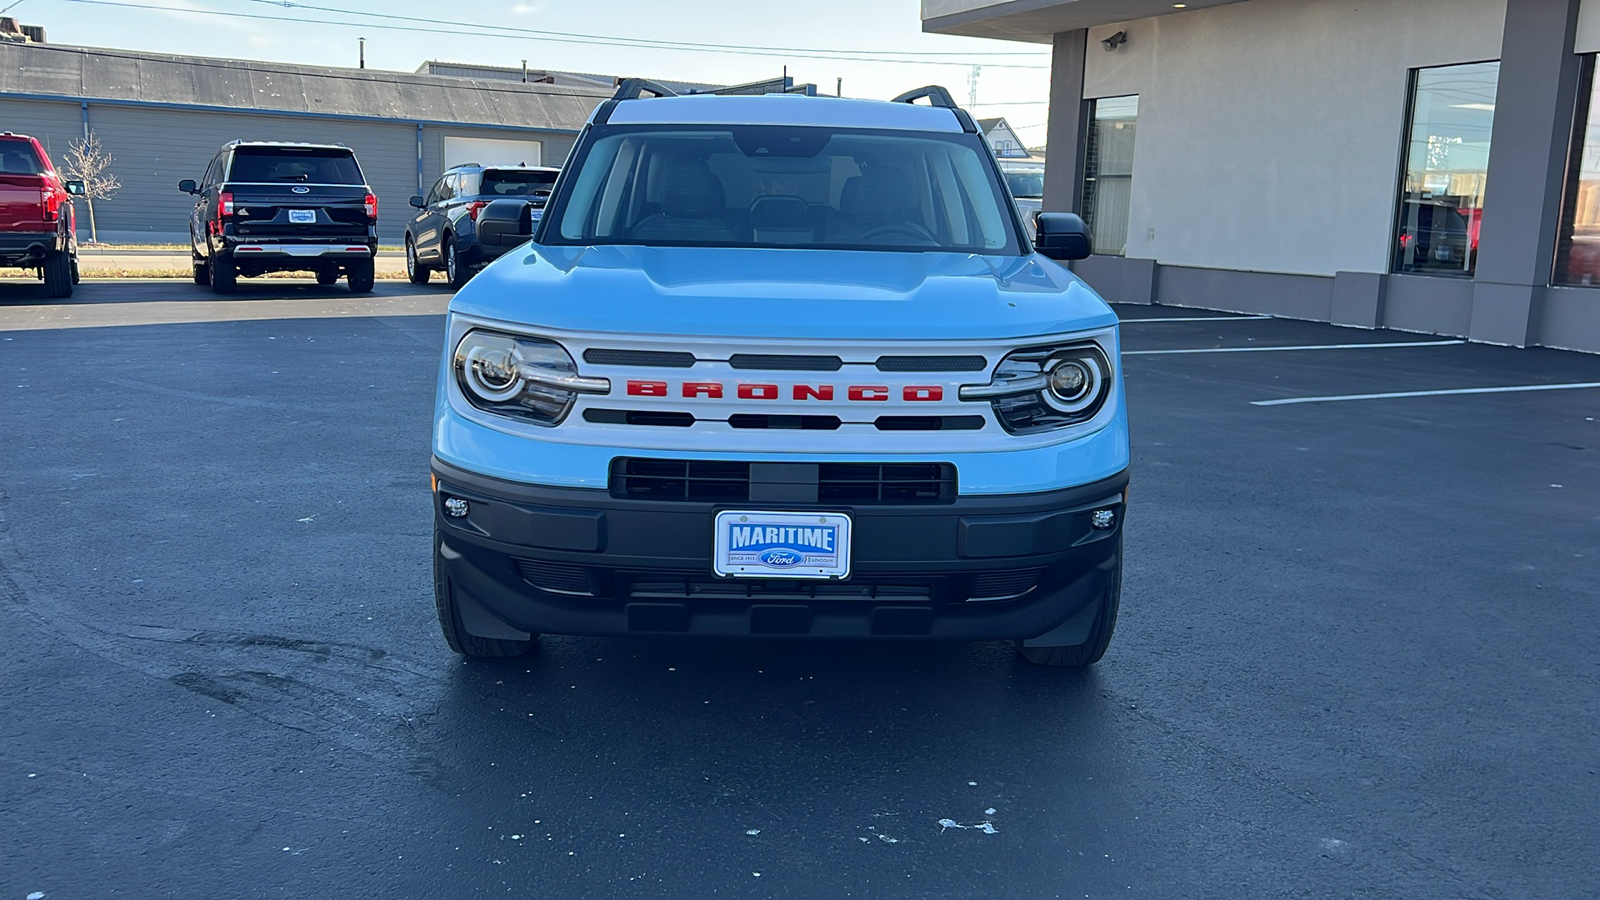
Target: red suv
x=36, y=215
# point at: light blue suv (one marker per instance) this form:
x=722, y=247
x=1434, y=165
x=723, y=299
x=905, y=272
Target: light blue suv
x=780, y=366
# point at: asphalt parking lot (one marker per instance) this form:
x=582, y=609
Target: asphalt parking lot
x=1355, y=658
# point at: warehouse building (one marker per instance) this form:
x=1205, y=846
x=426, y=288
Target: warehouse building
x=163, y=117
x=1426, y=165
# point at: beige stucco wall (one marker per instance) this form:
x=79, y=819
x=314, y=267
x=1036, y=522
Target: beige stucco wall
x=1270, y=131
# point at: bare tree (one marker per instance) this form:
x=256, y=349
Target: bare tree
x=89, y=163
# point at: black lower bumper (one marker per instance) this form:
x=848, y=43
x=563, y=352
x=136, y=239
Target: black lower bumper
x=27, y=247
x=529, y=558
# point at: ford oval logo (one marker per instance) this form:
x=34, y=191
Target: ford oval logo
x=780, y=559
x=301, y=190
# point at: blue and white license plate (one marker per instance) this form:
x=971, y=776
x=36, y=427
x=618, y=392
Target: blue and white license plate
x=302, y=217
x=757, y=544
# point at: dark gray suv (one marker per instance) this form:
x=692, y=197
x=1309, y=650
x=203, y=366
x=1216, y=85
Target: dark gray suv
x=444, y=234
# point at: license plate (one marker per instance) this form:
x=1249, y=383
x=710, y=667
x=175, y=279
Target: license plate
x=535, y=214
x=757, y=544
x=302, y=217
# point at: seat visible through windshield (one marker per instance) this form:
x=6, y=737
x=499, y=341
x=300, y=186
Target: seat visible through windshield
x=786, y=187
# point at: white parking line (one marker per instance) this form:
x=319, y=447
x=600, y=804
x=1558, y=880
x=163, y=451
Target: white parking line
x=1516, y=389
x=1300, y=347
x=1200, y=319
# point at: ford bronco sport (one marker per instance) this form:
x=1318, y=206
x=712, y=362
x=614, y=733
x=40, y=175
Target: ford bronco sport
x=780, y=366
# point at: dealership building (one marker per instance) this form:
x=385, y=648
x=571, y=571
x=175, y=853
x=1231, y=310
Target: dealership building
x=1425, y=165
x=163, y=117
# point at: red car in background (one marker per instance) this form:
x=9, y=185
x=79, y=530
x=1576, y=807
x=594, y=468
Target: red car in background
x=36, y=215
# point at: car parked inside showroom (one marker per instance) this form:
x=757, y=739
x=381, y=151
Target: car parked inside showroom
x=780, y=366
x=36, y=215
x=276, y=206
x=443, y=235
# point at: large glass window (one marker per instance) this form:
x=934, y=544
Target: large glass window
x=1447, y=165
x=1578, y=254
x=1108, y=172
x=781, y=186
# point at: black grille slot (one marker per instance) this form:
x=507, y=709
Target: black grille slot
x=558, y=577
x=1004, y=585
x=886, y=483
x=655, y=358
x=775, y=589
x=785, y=363
x=929, y=423
x=679, y=479
x=639, y=417
x=703, y=481
x=794, y=423
x=932, y=364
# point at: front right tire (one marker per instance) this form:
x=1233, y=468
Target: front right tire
x=446, y=603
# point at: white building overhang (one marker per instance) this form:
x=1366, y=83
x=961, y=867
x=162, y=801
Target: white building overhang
x=1039, y=20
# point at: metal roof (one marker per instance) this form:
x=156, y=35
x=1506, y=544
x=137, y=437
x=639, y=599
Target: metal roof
x=87, y=73
x=783, y=109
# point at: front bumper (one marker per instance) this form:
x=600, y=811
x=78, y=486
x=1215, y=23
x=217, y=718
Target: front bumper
x=538, y=559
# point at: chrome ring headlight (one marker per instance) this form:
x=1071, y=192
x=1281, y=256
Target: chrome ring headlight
x=1045, y=388
x=521, y=377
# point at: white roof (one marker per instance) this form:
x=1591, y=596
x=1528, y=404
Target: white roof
x=783, y=109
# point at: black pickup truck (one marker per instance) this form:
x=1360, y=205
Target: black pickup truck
x=281, y=207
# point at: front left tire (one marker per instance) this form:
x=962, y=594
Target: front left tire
x=415, y=270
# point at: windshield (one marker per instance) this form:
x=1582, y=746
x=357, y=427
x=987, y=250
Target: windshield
x=302, y=165
x=513, y=183
x=1026, y=185
x=780, y=186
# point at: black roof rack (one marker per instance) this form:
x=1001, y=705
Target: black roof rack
x=937, y=96
x=631, y=88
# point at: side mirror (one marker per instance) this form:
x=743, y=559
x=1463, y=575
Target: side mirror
x=418, y=202
x=1062, y=236
x=75, y=187
x=505, y=223
x=188, y=186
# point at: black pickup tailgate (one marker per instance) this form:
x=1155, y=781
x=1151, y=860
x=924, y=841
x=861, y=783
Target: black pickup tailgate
x=298, y=192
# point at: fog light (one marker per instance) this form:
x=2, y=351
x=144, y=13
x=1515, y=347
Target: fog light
x=455, y=508
x=1103, y=519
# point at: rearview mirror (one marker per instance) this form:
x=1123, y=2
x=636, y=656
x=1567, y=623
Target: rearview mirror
x=505, y=223
x=74, y=187
x=1062, y=236
x=188, y=186
x=418, y=202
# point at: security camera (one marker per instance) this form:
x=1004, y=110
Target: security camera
x=1115, y=41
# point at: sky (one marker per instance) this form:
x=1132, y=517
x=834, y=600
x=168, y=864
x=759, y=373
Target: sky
x=1013, y=82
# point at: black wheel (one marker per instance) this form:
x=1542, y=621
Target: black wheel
x=224, y=275
x=75, y=276
x=57, y=271
x=455, y=272
x=1089, y=652
x=416, y=271
x=455, y=634
x=327, y=275
x=202, y=273
x=361, y=273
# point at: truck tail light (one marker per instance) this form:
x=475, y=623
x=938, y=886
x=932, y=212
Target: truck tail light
x=370, y=202
x=474, y=208
x=225, y=205
x=52, y=203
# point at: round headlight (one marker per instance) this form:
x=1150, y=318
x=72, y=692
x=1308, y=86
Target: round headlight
x=1069, y=380
x=490, y=370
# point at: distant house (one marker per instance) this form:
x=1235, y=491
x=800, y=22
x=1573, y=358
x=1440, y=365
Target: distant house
x=1002, y=140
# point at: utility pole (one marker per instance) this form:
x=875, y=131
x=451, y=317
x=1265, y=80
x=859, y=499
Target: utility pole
x=838, y=87
x=524, y=71
x=363, y=61
x=972, y=87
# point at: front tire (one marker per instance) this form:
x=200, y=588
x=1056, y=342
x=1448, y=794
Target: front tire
x=202, y=273
x=456, y=634
x=57, y=271
x=415, y=271
x=1090, y=651
x=361, y=273
x=224, y=274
